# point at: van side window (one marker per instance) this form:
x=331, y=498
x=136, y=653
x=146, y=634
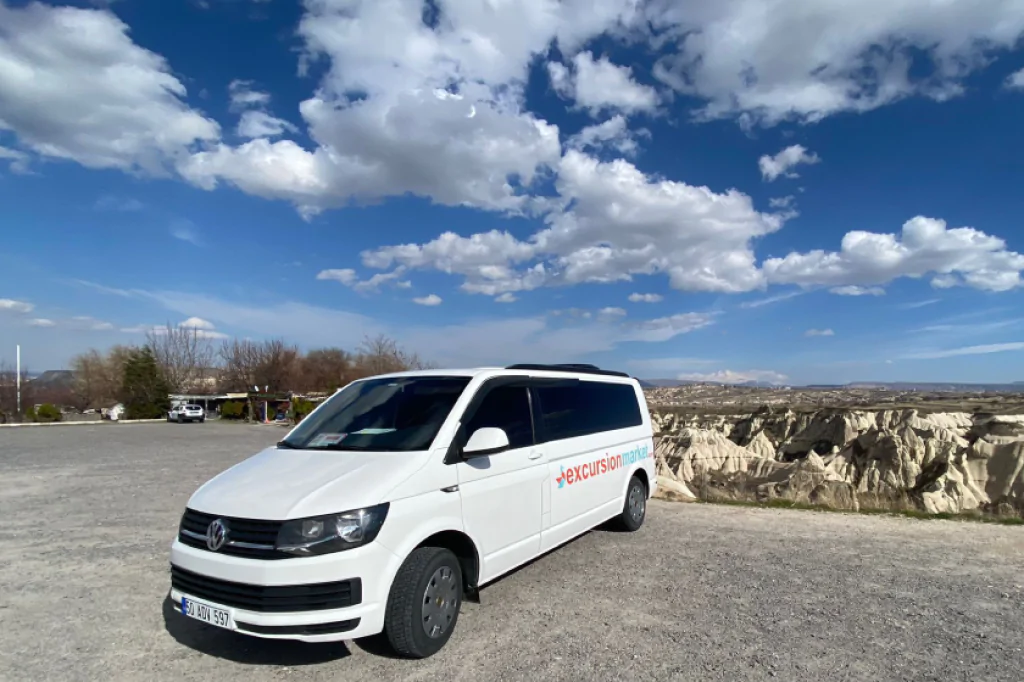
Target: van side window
x=587, y=407
x=507, y=408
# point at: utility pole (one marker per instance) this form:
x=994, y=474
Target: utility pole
x=18, y=372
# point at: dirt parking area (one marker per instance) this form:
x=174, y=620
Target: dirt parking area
x=700, y=593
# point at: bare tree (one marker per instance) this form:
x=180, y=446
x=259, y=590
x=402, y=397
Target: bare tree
x=325, y=369
x=382, y=354
x=270, y=364
x=278, y=365
x=239, y=359
x=90, y=371
x=183, y=354
x=98, y=378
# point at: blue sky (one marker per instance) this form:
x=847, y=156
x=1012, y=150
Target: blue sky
x=828, y=192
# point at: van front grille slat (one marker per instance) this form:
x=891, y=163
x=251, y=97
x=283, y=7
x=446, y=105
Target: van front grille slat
x=268, y=598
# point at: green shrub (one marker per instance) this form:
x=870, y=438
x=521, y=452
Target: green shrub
x=144, y=390
x=232, y=409
x=301, y=408
x=48, y=413
x=30, y=414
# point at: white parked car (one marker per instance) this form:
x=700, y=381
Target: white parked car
x=403, y=494
x=186, y=413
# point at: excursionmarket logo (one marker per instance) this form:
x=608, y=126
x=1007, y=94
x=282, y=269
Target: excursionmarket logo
x=601, y=465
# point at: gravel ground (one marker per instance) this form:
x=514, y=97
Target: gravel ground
x=701, y=592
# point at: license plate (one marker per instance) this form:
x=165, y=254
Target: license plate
x=206, y=613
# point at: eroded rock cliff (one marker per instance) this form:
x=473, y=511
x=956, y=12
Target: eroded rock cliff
x=942, y=462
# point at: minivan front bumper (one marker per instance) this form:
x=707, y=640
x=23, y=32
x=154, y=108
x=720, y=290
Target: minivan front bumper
x=312, y=599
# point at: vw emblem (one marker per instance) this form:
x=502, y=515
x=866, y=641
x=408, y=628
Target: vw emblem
x=216, y=534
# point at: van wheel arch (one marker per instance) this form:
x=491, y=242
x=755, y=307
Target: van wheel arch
x=463, y=547
x=641, y=473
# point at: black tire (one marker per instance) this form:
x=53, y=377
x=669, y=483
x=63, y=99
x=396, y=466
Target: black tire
x=634, y=508
x=406, y=619
x=180, y=420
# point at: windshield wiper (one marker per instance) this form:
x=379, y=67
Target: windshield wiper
x=286, y=445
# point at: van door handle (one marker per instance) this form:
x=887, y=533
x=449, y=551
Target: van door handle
x=535, y=454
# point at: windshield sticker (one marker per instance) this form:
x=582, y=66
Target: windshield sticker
x=323, y=439
x=371, y=432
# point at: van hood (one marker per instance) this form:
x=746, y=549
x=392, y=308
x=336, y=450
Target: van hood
x=279, y=484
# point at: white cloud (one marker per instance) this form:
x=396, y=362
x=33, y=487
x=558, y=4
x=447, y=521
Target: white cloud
x=87, y=323
x=645, y=298
x=808, y=59
x=201, y=330
x=243, y=96
x=598, y=85
x=950, y=327
x=573, y=312
x=196, y=323
x=505, y=298
x=665, y=328
x=74, y=86
x=41, y=322
x=1015, y=80
x=441, y=116
x=466, y=343
x=945, y=281
x=854, y=290
x=15, y=306
x=374, y=282
x=113, y=291
x=662, y=366
x=727, y=376
x=783, y=164
x=612, y=312
x=18, y=160
x=255, y=124
x=429, y=300
x=621, y=223
x=782, y=202
x=109, y=202
x=757, y=303
x=186, y=232
x=819, y=332
x=967, y=350
x=346, y=276
x=613, y=134
x=255, y=121
x=350, y=278
x=919, y=304
x=532, y=339
x=960, y=256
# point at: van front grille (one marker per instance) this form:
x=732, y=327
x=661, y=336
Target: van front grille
x=268, y=598
x=245, y=537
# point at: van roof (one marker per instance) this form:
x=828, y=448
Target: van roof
x=572, y=370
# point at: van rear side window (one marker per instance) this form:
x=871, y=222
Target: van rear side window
x=586, y=407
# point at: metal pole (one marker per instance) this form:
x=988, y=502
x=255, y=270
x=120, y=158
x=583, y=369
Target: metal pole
x=18, y=370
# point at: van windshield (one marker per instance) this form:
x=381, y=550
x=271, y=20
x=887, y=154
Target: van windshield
x=384, y=415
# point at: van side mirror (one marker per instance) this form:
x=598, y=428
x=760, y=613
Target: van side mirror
x=486, y=441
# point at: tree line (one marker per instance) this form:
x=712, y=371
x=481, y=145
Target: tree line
x=186, y=360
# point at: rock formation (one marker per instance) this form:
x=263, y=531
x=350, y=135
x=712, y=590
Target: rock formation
x=886, y=459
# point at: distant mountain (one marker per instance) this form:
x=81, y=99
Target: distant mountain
x=935, y=386
x=1015, y=387
x=54, y=379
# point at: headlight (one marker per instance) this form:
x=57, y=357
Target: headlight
x=331, y=533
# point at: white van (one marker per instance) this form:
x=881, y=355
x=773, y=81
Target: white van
x=404, y=493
